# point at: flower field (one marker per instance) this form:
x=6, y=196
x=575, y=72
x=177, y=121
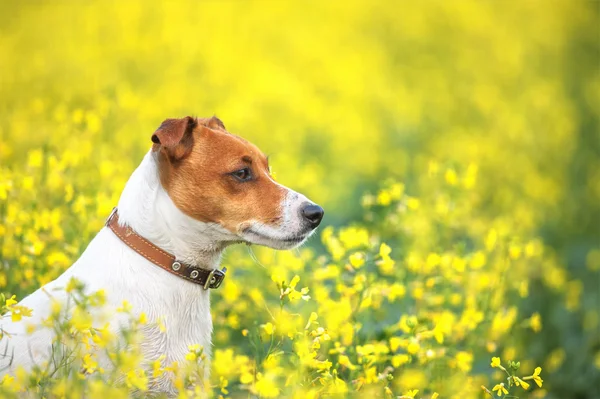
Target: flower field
x=454, y=146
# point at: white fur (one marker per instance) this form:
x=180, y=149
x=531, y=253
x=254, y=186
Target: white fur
x=109, y=264
x=290, y=232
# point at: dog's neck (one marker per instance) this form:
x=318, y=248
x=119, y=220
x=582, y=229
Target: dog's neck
x=146, y=207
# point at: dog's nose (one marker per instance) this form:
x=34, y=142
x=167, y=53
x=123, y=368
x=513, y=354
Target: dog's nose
x=313, y=214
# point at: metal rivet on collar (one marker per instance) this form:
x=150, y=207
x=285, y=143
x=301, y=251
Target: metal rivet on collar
x=210, y=279
x=194, y=274
x=176, y=266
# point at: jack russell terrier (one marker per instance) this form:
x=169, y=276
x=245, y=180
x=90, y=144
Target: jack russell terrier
x=198, y=190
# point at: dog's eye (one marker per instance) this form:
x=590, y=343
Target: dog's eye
x=243, y=174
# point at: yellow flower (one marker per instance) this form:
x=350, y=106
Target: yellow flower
x=354, y=237
x=8, y=383
x=357, y=259
x=60, y=389
x=223, y=385
x=396, y=191
x=411, y=393
x=535, y=322
x=35, y=158
x=433, y=260
x=246, y=377
x=302, y=294
x=396, y=290
x=495, y=362
x=161, y=325
x=81, y=320
x=520, y=382
x=413, y=347
x=478, y=260
x=265, y=386
x=384, y=198
x=103, y=336
x=11, y=301
x=384, y=250
x=137, y=379
x=386, y=265
x=194, y=347
x=157, y=366
x=413, y=203
x=294, y=281
x=500, y=388
x=451, y=177
x=395, y=343
x=490, y=240
x=343, y=360
x=514, y=251
x=407, y=323
x=98, y=298
x=435, y=395
x=89, y=364
x=268, y=328
x=125, y=307
x=311, y=319
x=143, y=319
x=17, y=312
x=72, y=285
x=371, y=375
x=464, y=361
x=195, y=352
x=536, y=376
x=399, y=360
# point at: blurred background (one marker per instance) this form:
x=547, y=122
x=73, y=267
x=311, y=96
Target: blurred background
x=343, y=96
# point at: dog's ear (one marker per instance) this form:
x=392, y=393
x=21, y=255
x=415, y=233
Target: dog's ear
x=175, y=136
x=215, y=123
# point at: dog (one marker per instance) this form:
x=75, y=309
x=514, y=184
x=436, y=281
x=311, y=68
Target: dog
x=198, y=190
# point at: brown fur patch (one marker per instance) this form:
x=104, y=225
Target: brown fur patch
x=196, y=174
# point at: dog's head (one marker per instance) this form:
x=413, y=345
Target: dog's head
x=214, y=176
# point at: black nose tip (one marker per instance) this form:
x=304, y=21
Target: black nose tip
x=313, y=214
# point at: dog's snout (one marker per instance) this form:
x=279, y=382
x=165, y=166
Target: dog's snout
x=313, y=214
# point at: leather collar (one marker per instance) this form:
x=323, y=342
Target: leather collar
x=164, y=260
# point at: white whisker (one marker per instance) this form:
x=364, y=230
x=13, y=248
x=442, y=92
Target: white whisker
x=254, y=258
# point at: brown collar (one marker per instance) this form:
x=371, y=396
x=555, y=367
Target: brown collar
x=206, y=278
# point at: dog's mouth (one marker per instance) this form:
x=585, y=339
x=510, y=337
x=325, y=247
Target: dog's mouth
x=256, y=237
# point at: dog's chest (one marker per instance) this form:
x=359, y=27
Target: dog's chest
x=172, y=335
x=177, y=312
x=179, y=322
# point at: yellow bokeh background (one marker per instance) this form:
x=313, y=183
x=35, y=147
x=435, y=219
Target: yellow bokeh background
x=500, y=98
